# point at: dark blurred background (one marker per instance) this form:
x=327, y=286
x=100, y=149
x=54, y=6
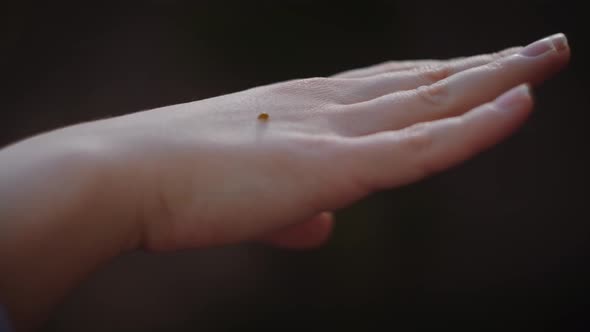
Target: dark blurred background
x=500, y=242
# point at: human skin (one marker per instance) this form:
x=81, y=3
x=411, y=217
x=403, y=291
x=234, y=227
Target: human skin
x=210, y=173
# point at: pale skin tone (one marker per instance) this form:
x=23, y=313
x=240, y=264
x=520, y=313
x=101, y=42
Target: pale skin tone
x=210, y=173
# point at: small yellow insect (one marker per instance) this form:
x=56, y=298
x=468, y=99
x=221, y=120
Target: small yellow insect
x=263, y=116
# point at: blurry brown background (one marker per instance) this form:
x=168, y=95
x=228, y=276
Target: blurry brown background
x=500, y=242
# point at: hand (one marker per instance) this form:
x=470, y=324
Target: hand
x=211, y=173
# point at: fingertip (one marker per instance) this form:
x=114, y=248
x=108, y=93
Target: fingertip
x=492, y=122
x=516, y=99
x=554, y=43
x=560, y=41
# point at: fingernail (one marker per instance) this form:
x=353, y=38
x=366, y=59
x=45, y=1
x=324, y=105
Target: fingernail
x=514, y=99
x=557, y=42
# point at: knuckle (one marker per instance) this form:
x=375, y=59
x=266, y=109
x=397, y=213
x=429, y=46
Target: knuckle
x=417, y=137
x=418, y=141
x=434, y=73
x=495, y=65
x=508, y=51
x=495, y=56
x=436, y=94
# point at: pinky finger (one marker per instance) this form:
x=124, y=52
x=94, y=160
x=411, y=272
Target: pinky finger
x=394, y=158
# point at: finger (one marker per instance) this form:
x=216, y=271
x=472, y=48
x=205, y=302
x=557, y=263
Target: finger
x=458, y=93
x=378, y=85
x=394, y=66
x=306, y=235
x=394, y=158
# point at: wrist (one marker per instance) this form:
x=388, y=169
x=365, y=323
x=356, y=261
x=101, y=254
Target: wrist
x=67, y=178
x=62, y=215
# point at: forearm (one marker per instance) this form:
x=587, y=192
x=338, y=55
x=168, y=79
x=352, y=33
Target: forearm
x=59, y=220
